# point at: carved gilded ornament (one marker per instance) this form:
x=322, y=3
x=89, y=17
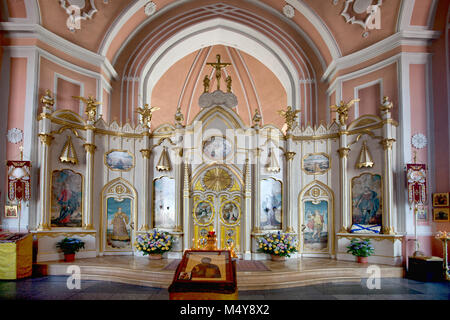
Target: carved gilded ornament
x=218, y=68
x=91, y=107
x=290, y=155
x=387, y=105
x=48, y=101
x=342, y=110
x=46, y=138
x=290, y=116
x=146, y=113
x=217, y=179
x=344, y=152
x=179, y=118
x=68, y=153
x=256, y=118
x=387, y=143
x=90, y=148
x=146, y=153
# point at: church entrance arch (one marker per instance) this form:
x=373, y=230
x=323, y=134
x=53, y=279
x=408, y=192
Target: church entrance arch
x=218, y=206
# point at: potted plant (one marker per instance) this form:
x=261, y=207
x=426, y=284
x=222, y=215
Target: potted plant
x=360, y=248
x=278, y=245
x=70, y=246
x=154, y=243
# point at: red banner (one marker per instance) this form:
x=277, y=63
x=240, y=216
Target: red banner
x=416, y=177
x=19, y=180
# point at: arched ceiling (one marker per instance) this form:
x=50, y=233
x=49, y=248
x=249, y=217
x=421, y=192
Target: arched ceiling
x=255, y=86
x=304, y=44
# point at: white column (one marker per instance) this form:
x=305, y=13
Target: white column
x=186, y=208
x=44, y=222
x=178, y=170
x=90, y=147
x=146, y=152
x=343, y=179
x=248, y=211
x=388, y=176
x=290, y=190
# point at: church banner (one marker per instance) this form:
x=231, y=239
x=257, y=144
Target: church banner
x=19, y=177
x=416, y=178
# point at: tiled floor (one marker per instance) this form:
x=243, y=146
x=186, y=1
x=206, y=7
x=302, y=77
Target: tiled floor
x=55, y=288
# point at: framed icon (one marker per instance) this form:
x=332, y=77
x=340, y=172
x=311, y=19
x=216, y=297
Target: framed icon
x=440, y=199
x=440, y=214
x=11, y=211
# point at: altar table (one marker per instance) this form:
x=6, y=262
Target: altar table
x=16, y=255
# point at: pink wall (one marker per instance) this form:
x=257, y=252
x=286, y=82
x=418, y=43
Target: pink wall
x=47, y=81
x=16, y=8
x=66, y=90
x=370, y=100
x=16, y=104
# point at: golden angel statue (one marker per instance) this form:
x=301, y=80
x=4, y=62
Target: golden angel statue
x=91, y=106
x=289, y=116
x=342, y=110
x=146, y=113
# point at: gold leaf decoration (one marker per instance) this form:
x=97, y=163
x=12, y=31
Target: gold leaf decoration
x=217, y=179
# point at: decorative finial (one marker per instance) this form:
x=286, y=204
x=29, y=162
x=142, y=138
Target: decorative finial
x=21, y=153
x=342, y=110
x=146, y=113
x=179, y=118
x=256, y=118
x=218, y=67
x=289, y=116
x=91, y=106
x=387, y=105
x=47, y=99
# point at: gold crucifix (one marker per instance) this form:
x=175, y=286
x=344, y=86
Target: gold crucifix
x=218, y=67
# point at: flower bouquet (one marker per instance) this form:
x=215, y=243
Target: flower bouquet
x=154, y=243
x=277, y=244
x=361, y=249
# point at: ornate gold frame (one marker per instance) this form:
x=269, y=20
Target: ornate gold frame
x=301, y=200
x=153, y=201
x=381, y=196
x=195, y=216
x=119, y=150
x=318, y=173
x=221, y=216
x=81, y=205
x=103, y=207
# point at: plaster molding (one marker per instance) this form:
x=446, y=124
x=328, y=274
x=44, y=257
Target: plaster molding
x=407, y=37
x=21, y=30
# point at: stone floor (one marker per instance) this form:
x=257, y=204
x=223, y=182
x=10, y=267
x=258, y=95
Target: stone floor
x=55, y=288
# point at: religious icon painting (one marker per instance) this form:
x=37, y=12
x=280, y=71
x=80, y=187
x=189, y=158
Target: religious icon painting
x=367, y=199
x=66, y=199
x=422, y=214
x=316, y=163
x=441, y=214
x=271, y=204
x=230, y=212
x=315, y=235
x=11, y=211
x=119, y=220
x=440, y=199
x=164, y=202
x=119, y=160
x=217, y=148
x=203, y=212
x=207, y=266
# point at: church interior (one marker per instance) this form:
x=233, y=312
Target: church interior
x=300, y=142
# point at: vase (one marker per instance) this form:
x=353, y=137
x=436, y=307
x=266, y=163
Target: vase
x=363, y=259
x=69, y=257
x=277, y=258
x=155, y=256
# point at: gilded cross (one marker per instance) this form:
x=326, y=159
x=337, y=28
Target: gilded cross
x=218, y=67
